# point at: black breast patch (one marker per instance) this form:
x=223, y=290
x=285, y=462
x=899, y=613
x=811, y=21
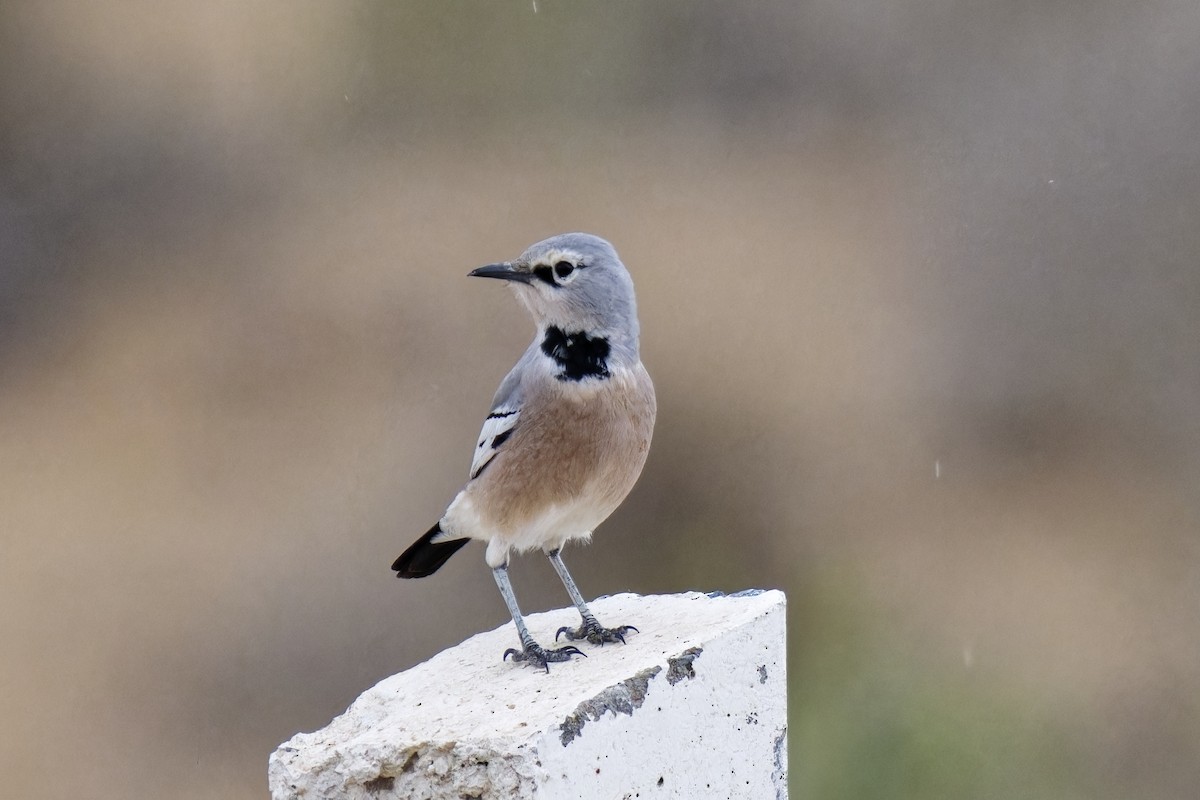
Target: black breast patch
x=578, y=355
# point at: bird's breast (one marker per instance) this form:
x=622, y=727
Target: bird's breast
x=574, y=455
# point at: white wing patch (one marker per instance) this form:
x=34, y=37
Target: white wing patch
x=496, y=429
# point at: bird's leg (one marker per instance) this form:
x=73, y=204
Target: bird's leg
x=530, y=650
x=591, y=630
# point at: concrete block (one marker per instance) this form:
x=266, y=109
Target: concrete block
x=695, y=705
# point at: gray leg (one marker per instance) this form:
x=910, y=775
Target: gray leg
x=510, y=600
x=591, y=630
x=569, y=582
x=530, y=650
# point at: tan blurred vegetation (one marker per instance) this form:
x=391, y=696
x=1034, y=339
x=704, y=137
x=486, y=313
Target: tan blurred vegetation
x=920, y=290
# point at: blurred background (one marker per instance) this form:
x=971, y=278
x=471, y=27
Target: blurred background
x=919, y=287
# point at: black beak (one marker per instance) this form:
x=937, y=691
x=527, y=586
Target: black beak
x=505, y=272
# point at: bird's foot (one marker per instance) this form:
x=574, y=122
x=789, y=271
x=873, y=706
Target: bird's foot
x=595, y=633
x=537, y=655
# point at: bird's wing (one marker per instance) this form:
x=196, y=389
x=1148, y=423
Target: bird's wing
x=500, y=422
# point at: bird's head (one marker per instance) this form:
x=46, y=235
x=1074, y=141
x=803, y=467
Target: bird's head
x=574, y=282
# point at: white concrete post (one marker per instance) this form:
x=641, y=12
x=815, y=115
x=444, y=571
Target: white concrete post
x=695, y=705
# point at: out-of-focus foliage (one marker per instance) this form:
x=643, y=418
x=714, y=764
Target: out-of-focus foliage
x=919, y=290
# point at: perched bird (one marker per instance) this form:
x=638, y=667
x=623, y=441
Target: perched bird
x=567, y=434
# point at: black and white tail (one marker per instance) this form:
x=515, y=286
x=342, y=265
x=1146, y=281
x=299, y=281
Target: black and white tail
x=426, y=556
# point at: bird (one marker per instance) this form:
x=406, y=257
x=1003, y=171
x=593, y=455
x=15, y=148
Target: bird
x=566, y=437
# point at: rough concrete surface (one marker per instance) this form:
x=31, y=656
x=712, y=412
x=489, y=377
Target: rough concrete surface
x=695, y=705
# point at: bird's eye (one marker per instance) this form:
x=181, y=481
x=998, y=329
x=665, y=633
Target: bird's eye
x=563, y=268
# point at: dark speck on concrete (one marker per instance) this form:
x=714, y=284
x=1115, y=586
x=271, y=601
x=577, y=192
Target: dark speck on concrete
x=623, y=698
x=383, y=783
x=779, y=774
x=680, y=666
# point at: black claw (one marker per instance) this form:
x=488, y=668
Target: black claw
x=535, y=654
x=594, y=633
